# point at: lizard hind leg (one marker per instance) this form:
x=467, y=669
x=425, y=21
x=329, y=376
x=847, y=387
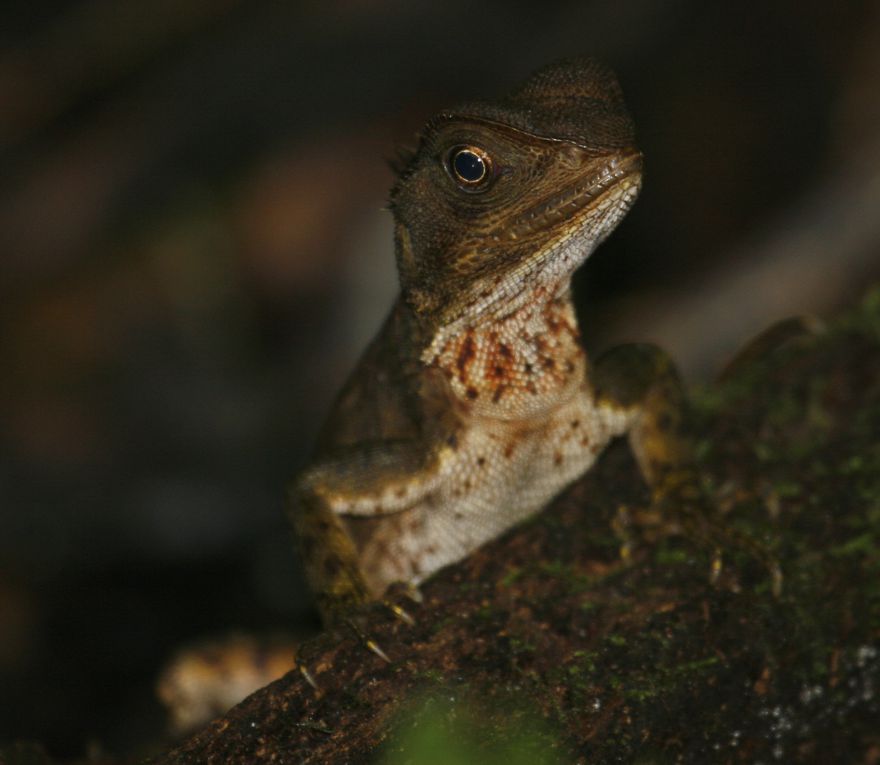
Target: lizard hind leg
x=642, y=380
x=368, y=481
x=328, y=555
x=331, y=566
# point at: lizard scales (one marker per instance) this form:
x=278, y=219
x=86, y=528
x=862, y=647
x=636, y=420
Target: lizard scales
x=474, y=405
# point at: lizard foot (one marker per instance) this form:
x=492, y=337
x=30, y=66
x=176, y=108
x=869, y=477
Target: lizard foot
x=363, y=638
x=680, y=508
x=370, y=644
x=397, y=592
x=353, y=622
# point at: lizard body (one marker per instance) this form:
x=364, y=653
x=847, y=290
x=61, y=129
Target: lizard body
x=476, y=404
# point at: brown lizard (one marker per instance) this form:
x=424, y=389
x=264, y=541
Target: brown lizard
x=476, y=404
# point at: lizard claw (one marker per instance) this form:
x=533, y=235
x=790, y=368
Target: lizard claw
x=367, y=641
x=407, y=589
x=400, y=613
x=307, y=676
x=732, y=540
x=400, y=590
x=413, y=593
x=716, y=568
x=621, y=525
x=377, y=649
x=371, y=644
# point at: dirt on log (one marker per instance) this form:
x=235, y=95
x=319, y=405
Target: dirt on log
x=545, y=646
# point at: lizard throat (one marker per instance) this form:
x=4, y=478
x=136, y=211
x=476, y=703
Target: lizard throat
x=565, y=229
x=518, y=366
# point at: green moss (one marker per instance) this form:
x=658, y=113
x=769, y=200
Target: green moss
x=573, y=579
x=787, y=488
x=863, y=544
x=432, y=677
x=443, y=730
x=513, y=574
x=586, y=662
x=667, y=555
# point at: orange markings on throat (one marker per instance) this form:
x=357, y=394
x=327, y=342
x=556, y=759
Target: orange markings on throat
x=530, y=353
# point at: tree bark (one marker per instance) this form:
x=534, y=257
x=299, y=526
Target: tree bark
x=545, y=646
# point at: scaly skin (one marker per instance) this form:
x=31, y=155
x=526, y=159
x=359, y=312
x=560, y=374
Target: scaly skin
x=475, y=405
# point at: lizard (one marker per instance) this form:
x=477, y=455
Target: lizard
x=476, y=404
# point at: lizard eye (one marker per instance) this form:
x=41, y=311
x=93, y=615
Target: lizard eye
x=470, y=167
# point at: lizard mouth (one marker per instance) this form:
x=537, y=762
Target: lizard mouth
x=612, y=187
x=569, y=225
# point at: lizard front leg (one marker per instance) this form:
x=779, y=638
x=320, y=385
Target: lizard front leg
x=365, y=480
x=642, y=380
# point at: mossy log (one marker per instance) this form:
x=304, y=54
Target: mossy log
x=545, y=646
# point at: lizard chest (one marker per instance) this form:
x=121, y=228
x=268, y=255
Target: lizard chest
x=499, y=473
x=529, y=427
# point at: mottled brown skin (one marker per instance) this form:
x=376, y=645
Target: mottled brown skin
x=476, y=404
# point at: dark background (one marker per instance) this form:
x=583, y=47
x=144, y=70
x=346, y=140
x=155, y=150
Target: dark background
x=193, y=251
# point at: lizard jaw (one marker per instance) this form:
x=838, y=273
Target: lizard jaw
x=592, y=192
x=585, y=214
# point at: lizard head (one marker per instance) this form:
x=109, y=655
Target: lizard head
x=504, y=197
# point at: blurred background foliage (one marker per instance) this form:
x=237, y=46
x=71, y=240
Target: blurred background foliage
x=193, y=251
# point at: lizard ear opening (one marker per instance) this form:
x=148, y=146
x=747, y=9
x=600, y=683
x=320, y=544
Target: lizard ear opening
x=470, y=167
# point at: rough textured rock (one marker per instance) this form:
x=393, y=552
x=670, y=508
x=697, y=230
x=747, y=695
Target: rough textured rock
x=547, y=630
